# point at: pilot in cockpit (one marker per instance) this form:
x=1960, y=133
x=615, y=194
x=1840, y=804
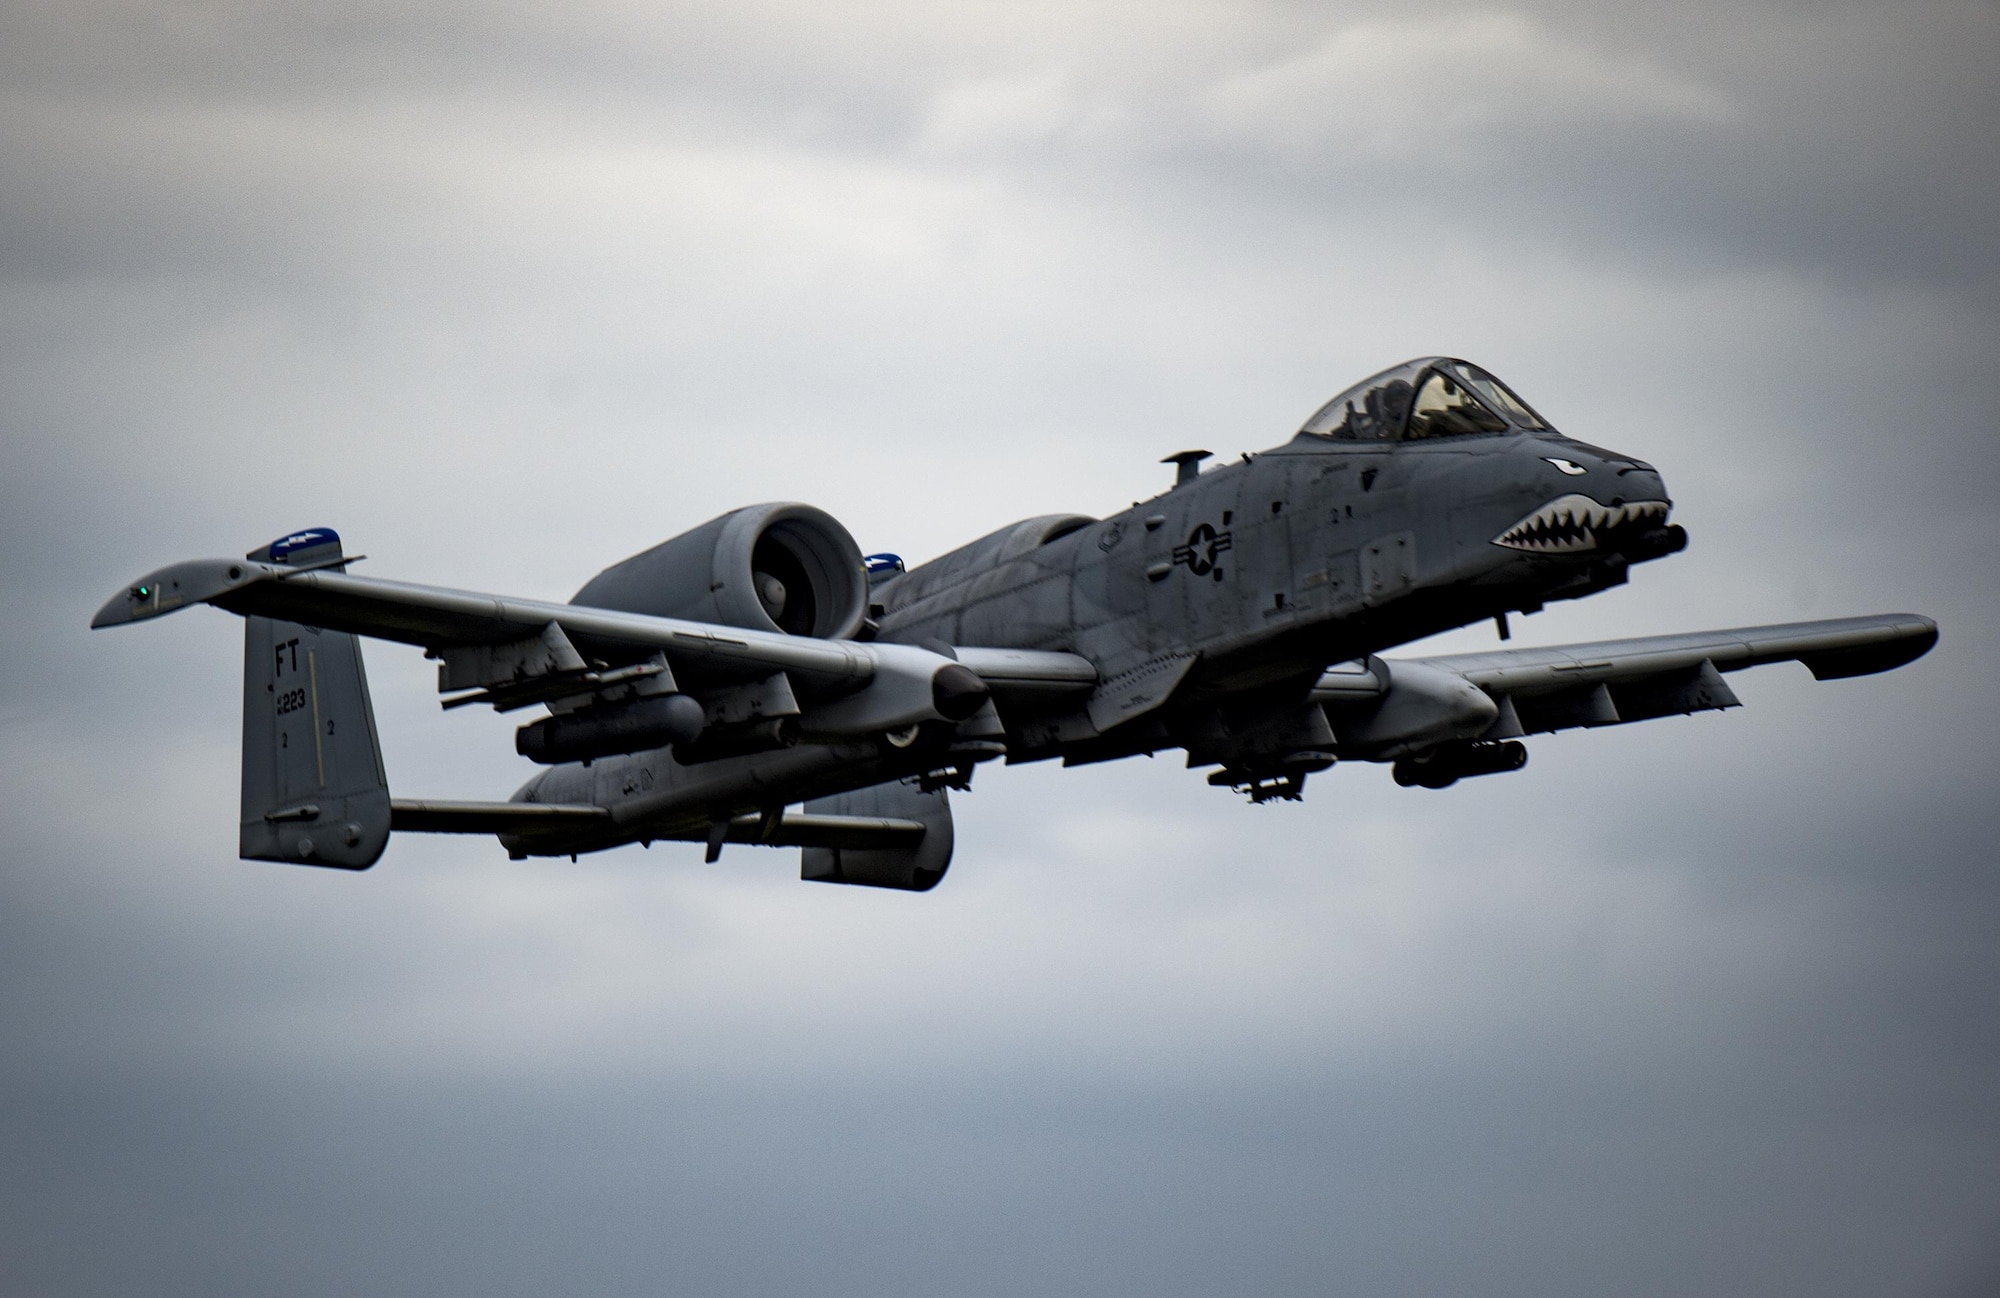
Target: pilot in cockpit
x=1436, y=396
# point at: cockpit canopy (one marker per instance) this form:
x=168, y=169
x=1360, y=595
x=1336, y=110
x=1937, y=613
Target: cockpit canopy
x=1435, y=396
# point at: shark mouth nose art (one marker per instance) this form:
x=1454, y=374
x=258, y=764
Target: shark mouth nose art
x=1573, y=524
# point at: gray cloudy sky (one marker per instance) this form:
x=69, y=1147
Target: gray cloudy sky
x=506, y=292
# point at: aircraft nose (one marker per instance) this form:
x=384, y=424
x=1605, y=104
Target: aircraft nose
x=1589, y=468
x=1645, y=536
x=1606, y=476
x=1637, y=480
x=1594, y=500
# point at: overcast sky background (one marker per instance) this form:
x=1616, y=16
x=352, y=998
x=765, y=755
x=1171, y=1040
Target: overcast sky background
x=506, y=292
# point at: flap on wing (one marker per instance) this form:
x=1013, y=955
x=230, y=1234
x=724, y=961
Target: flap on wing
x=1138, y=690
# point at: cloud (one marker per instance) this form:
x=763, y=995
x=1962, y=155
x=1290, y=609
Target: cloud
x=1702, y=1004
x=993, y=113
x=1434, y=89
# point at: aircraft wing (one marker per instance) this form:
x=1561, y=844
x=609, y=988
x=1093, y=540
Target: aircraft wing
x=439, y=618
x=515, y=652
x=1608, y=681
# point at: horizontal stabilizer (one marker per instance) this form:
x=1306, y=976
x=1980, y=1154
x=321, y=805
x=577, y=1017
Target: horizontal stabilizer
x=410, y=816
x=805, y=829
x=795, y=829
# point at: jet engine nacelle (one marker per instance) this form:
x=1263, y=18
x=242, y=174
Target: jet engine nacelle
x=777, y=567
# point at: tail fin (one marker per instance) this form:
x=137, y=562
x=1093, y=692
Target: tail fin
x=313, y=788
x=912, y=867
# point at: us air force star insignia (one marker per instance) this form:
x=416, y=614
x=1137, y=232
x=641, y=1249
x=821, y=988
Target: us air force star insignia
x=1203, y=551
x=1571, y=467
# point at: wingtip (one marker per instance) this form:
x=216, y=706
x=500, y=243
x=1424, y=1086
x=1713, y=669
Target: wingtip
x=177, y=586
x=1912, y=636
x=1927, y=638
x=1918, y=636
x=135, y=603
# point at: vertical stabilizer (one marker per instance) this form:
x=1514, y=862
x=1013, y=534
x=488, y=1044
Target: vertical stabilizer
x=915, y=868
x=313, y=788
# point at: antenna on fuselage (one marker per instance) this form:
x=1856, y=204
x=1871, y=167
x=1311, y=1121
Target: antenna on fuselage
x=1189, y=465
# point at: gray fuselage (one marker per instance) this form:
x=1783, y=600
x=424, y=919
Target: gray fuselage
x=1270, y=568
x=1209, y=611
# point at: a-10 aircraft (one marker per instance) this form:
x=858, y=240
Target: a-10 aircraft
x=706, y=688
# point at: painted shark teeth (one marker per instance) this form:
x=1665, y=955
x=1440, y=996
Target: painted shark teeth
x=1574, y=523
